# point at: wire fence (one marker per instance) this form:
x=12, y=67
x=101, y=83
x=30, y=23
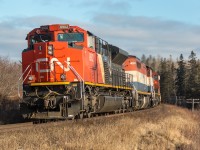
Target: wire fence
x=191, y=103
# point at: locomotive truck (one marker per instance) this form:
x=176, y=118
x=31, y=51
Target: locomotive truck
x=69, y=72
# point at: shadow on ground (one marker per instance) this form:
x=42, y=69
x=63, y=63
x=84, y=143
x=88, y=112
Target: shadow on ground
x=9, y=111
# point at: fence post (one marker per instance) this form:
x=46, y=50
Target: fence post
x=192, y=104
x=176, y=100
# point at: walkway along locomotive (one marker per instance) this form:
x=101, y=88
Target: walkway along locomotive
x=69, y=72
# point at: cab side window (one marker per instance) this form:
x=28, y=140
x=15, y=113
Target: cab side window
x=32, y=42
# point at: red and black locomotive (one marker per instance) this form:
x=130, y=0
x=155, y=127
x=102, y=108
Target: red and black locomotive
x=69, y=72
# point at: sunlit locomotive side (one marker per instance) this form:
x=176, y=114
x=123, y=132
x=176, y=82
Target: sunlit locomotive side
x=69, y=72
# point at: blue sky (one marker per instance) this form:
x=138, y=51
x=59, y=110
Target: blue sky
x=153, y=27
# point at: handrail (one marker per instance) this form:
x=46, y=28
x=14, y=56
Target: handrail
x=26, y=76
x=76, y=73
x=80, y=79
x=24, y=79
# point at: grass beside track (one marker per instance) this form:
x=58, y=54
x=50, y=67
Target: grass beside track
x=14, y=127
x=164, y=127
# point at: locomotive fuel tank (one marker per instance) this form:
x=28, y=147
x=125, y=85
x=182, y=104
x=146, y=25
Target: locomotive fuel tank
x=108, y=103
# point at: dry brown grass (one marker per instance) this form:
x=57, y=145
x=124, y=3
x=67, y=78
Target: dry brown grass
x=164, y=127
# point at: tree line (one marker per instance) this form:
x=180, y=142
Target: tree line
x=177, y=78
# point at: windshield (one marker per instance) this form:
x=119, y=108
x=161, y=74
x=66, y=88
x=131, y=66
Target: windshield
x=37, y=38
x=70, y=37
x=40, y=38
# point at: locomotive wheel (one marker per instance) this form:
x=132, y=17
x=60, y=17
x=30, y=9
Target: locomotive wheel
x=77, y=116
x=81, y=115
x=130, y=109
x=89, y=115
x=84, y=115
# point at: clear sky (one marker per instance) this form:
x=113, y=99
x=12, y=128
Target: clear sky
x=155, y=27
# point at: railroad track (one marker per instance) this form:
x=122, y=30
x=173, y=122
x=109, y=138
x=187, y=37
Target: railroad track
x=21, y=126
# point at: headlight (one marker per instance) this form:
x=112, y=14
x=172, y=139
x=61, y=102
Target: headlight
x=50, y=49
x=63, y=77
x=30, y=78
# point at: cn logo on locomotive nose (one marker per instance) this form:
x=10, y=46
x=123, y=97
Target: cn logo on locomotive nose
x=51, y=63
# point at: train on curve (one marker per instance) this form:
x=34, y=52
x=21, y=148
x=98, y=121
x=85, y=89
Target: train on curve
x=69, y=72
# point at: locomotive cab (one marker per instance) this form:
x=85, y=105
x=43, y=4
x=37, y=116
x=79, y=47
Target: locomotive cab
x=49, y=51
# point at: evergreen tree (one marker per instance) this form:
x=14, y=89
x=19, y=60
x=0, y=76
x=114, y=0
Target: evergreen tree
x=180, y=77
x=167, y=79
x=163, y=80
x=147, y=62
x=143, y=58
x=172, y=76
x=192, y=76
x=153, y=64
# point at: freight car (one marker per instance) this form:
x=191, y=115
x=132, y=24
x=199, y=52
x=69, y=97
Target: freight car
x=69, y=72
